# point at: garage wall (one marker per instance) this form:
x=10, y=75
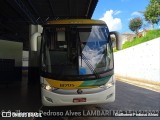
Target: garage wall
x=10, y=72
x=11, y=50
x=139, y=62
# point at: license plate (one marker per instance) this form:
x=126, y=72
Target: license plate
x=76, y=100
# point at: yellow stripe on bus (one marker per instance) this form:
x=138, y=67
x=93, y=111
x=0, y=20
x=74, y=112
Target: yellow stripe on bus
x=75, y=21
x=66, y=84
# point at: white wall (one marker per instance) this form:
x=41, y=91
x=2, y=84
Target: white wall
x=140, y=62
x=11, y=50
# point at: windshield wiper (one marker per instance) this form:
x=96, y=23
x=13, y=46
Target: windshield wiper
x=86, y=61
x=90, y=66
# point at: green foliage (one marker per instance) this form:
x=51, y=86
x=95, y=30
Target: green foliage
x=153, y=1
x=152, y=12
x=149, y=36
x=135, y=24
x=114, y=49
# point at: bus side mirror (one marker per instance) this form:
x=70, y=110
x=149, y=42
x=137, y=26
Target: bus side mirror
x=116, y=40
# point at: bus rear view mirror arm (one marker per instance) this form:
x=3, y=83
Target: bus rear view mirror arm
x=118, y=39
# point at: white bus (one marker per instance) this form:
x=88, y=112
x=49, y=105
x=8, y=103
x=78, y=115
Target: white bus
x=77, y=65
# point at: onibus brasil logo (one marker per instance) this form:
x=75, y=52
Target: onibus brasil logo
x=18, y=113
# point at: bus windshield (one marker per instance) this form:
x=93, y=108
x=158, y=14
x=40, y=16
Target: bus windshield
x=76, y=50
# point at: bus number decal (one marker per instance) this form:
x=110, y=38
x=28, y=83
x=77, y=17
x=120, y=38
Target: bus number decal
x=67, y=85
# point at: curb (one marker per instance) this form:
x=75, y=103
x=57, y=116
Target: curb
x=151, y=85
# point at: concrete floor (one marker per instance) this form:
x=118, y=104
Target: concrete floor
x=26, y=98
x=19, y=95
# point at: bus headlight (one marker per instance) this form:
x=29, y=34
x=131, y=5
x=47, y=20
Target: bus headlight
x=110, y=83
x=47, y=87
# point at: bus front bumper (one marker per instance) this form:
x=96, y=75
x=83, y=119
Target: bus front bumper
x=54, y=99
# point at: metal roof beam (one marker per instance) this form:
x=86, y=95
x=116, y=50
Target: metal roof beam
x=89, y=6
x=26, y=11
x=12, y=4
x=92, y=7
x=69, y=7
x=36, y=11
x=52, y=7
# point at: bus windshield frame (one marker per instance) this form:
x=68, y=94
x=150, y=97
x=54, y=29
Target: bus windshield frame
x=76, y=52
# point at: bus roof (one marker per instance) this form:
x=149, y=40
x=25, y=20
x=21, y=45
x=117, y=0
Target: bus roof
x=75, y=21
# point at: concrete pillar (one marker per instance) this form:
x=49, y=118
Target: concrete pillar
x=33, y=69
